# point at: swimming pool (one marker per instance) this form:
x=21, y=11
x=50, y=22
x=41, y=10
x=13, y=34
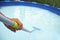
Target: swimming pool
x=44, y=20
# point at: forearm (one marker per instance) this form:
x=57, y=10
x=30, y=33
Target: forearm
x=3, y=15
x=5, y=19
x=11, y=23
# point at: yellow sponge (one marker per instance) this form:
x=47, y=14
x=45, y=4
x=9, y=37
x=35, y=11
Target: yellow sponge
x=15, y=25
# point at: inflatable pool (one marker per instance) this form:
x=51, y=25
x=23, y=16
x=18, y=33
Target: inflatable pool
x=44, y=20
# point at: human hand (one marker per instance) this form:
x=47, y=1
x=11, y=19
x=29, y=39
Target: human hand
x=20, y=25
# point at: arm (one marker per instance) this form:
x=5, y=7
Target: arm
x=13, y=19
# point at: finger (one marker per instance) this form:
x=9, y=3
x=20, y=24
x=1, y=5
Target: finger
x=19, y=23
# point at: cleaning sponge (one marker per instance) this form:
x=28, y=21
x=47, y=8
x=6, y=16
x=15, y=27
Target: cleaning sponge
x=15, y=25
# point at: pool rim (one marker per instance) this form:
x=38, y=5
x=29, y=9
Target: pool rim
x=31, y=4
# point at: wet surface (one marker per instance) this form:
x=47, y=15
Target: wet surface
x=46, y=24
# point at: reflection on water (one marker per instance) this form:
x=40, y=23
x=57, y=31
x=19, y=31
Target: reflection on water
x=46, y=24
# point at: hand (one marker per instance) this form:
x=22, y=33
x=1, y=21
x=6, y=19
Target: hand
x=19, y=25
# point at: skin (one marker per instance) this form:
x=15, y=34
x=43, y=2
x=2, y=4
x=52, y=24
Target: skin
x=20, y=25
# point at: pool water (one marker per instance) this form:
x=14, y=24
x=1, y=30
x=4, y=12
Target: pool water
x=46, y=24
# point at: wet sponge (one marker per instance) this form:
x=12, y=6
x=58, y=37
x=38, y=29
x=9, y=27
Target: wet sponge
x=15, y=25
